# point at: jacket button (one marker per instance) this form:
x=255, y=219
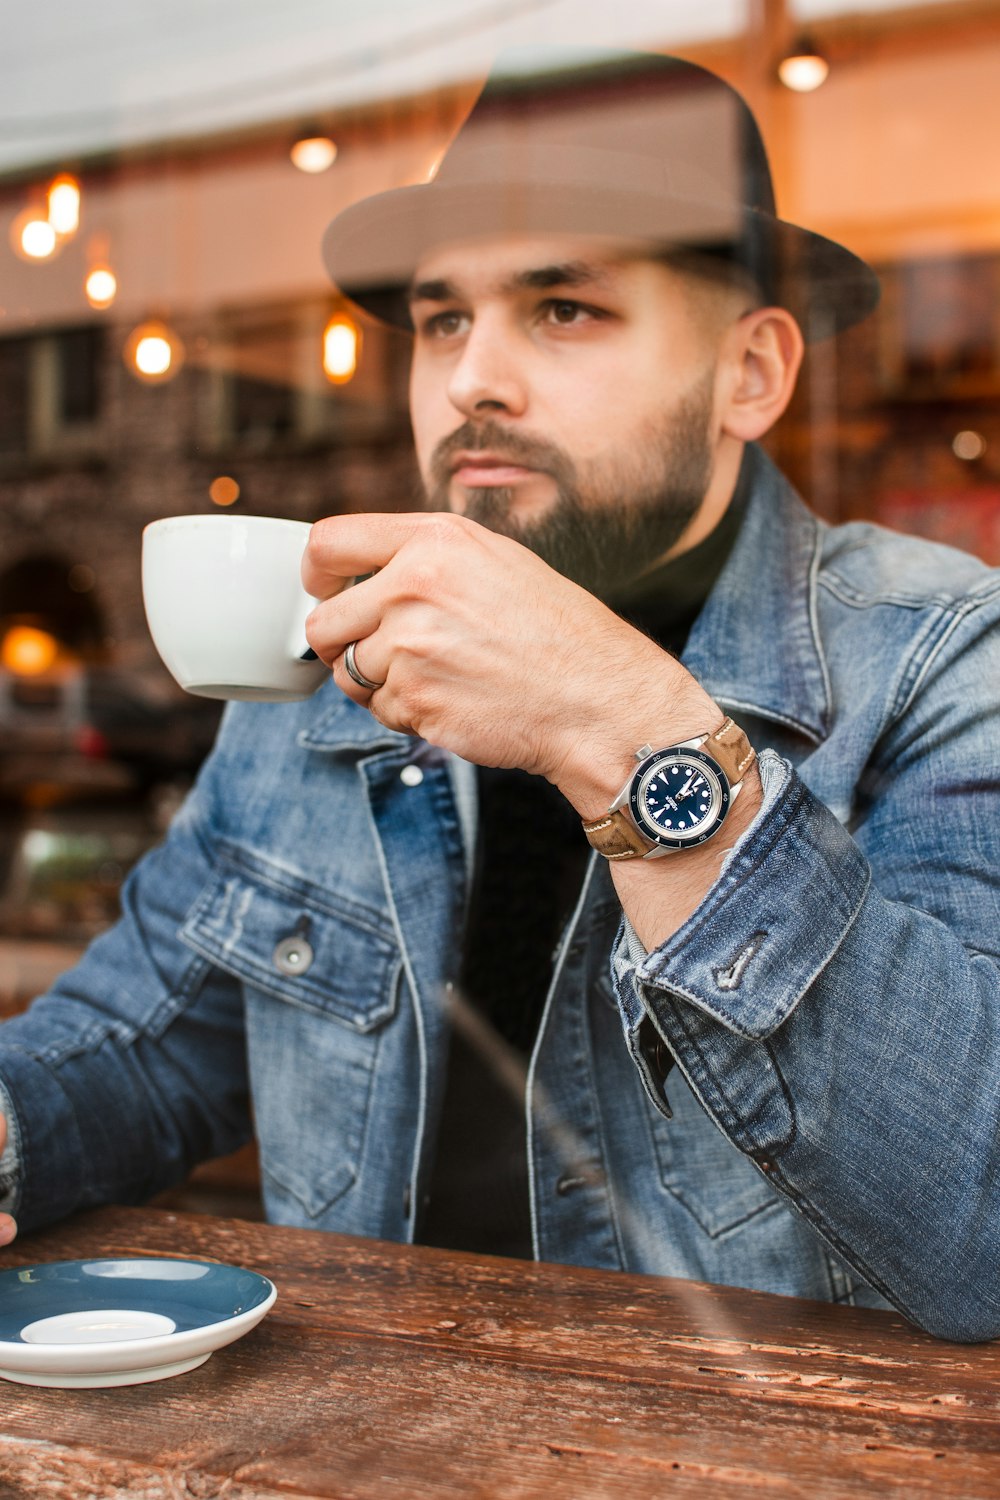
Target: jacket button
x=411, y=775
x=655, y=1050
x=293, y=955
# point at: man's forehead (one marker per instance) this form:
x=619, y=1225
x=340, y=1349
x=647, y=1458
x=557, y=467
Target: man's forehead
x=514, y=261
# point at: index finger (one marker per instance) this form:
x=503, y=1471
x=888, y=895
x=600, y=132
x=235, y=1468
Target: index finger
x=342, y=547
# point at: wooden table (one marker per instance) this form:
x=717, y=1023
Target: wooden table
x=394, y=1372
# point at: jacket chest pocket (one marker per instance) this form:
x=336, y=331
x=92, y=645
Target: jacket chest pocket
x=321, y=980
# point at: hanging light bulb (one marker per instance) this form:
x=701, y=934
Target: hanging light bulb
x=803, y=67
x=341, y=347
x=153, y=353
x=313, y=151
x=64, y=204
x=32, y=236
x=101, y=286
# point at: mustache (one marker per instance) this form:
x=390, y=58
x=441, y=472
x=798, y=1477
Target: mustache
x=517, y=447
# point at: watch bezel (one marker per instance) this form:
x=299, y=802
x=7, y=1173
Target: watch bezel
x=640, y=778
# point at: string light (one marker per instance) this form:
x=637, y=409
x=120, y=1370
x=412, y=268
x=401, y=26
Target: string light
x=153, y=352
x=101, y=286
x=803, y=68
x=32, y=236
x=341, y=348
x=64, y=204
x=313, y=152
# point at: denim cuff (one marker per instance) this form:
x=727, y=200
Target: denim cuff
x=10, y=1160
x=630, y=953
x=784, y=902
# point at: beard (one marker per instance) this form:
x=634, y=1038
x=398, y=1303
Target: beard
x=611, y=520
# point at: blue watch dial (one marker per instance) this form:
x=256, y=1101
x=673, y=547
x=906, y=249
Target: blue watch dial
x=679, y=797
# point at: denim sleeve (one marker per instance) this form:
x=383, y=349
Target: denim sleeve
x=132, y=1067
x=835, y=1000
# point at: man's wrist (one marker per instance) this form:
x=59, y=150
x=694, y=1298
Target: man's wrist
x=599, y=758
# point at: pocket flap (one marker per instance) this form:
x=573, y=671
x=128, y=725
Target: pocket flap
x=296, y=942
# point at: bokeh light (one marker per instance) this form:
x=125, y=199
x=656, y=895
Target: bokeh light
x=26, y=651
x=32, y=236
x=224, y=490
x=64, y=204
x=101, y=286
x=153, y=352
x=314, y=153
x=341, y=348
x=803, y=71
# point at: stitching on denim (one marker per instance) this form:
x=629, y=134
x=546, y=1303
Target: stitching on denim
x=730, y=976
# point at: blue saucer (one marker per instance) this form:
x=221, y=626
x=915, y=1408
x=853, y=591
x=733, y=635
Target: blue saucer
x=118, y=1322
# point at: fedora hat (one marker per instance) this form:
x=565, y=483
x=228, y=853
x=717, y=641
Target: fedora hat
x=635, y=146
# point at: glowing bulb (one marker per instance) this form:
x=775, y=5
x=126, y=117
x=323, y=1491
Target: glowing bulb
x=101, y=286
x=153, y=353
x=341, y=343
x=224, y=490
x=64, y=205
x=314, y=153
x=37, y=239
x=27, y=652
x=803, y=72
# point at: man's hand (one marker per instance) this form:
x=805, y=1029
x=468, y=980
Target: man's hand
x=485, y=650
x=8, y=1228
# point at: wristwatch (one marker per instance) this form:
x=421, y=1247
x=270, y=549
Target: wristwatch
x=676, y=798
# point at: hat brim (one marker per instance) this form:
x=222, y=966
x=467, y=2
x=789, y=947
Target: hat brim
x=373, y=248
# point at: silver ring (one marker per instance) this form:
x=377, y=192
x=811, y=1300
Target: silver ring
x=354, y=671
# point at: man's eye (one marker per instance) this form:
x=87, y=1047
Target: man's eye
x=566, y=313
x=443, y=325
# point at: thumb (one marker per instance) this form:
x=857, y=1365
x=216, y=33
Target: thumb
x=8, y=1229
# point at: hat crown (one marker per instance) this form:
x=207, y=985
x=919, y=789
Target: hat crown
x=634, y=120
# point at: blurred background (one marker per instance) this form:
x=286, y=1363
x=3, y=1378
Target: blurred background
x=169, y=342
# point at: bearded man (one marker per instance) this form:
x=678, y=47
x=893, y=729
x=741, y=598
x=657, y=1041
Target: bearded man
x=628, y=895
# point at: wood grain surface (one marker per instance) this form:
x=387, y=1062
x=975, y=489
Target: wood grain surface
x=390, y=1371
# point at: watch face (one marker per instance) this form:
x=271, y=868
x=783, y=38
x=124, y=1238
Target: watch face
x=679, y=797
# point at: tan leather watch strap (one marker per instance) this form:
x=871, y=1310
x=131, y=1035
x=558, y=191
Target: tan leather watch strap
x=616, y=836
x=731, y=748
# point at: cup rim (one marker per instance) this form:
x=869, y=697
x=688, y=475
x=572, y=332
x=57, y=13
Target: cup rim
x=196, y=519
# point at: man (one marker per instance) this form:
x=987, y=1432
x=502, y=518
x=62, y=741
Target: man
x=764, y=1050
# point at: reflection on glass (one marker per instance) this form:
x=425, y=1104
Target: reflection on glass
x=341, y=344
x=64, y=204
x=101, y=286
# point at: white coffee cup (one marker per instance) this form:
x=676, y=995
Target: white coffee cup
x=226, y=607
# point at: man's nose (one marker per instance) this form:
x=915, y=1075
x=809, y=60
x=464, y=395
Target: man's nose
x=487, y=376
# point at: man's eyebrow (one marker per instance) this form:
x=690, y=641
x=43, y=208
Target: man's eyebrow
x=570, y=273
x=432, y=291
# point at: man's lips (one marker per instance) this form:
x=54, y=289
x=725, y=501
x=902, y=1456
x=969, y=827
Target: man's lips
x=476, y=470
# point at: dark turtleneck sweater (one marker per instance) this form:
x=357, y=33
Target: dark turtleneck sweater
x=530, y=860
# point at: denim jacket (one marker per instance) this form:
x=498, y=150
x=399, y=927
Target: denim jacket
x=831, y=1126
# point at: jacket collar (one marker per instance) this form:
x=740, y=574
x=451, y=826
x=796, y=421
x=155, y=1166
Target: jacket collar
x=341, y=726
x=755, y=645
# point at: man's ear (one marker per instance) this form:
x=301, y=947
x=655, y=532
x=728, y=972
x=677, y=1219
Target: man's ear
x=760, y=360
